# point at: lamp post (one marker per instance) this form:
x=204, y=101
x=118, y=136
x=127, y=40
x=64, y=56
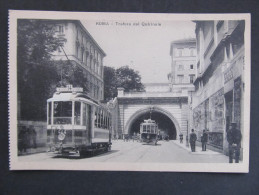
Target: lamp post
x=187, y=136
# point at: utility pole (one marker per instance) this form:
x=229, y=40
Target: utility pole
x=187, y=136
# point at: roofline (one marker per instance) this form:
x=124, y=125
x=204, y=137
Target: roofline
x=82, y=26
x=181, y=41
x=191, y=40
x=98, y=46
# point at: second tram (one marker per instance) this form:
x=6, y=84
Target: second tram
x=77, y=124
x=149, y=131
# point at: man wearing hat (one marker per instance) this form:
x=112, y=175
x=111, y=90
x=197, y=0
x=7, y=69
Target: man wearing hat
x=193, y=138
x=234, y=139
x=204, y=140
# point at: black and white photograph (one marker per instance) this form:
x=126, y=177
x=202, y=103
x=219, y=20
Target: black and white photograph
x=129, y=91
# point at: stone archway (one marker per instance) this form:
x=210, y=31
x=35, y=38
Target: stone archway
x=146, y=110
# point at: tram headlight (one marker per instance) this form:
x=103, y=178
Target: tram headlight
x=61, y=136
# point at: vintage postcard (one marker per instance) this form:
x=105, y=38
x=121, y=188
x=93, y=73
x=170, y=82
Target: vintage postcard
x=129, y=91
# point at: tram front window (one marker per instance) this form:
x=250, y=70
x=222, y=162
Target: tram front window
x=152, y=129
x=62, y=112
x=144, y=128
x=148, y=128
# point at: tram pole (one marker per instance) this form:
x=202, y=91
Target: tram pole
x=187, y=139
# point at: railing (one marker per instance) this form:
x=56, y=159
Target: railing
x=155, y=94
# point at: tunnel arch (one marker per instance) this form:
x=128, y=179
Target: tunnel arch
x=146, y=110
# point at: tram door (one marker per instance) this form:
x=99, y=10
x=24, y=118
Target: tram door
x=89, y=123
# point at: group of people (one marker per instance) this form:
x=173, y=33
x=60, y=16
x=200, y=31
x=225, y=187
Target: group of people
x=204, y=140
x=233, y=137
x=26, y=139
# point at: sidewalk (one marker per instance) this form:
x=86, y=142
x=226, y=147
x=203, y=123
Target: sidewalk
x=33, y=151
x=198, y=149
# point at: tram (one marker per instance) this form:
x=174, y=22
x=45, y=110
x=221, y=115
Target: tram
x=149, y=131
x=77, y=124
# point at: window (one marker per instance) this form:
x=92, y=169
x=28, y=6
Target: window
x=148, y=128
x=96, y=117
x=144, y=128
x=82, y=55
x=191, y=66
x=192, y=52
x=60, y=29
x=192, y=78
x=62, y=112
x=77, y=113
x=186, y=52
x=180, y=67
x=180, y=78
x=97, y=92
x=180, y=52
x=84, y=114
x=78, y=52
x=49, y=113
x=220, y=24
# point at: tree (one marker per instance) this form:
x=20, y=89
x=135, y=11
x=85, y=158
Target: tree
x=71, y=74
x=124, y=77
x=129, y=79
x=109, y=79
x=37, y=74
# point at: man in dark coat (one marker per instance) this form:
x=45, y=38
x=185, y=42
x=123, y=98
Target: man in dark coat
x=193, y=138
x=204, y=140
x=234, y=139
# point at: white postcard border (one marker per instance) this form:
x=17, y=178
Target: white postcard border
x=15, y=164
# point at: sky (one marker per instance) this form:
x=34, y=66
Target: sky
x=143, y=48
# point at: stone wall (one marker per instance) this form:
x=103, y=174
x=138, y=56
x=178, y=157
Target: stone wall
x=40, y=129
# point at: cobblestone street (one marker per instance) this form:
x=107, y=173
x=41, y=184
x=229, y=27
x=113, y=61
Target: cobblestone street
x=164, y=152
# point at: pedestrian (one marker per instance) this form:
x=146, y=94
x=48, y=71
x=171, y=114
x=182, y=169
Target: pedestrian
x=26, y=140
x=204, y=140
x=234, y=140
x=181, y=138
x=21, y=139
x=193, y=138
x=34, y=137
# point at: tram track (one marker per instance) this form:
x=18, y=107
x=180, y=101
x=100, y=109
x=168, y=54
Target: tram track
x=122, y=153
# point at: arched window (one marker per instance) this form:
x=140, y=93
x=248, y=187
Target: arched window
x=86, y=57
x=82, y=54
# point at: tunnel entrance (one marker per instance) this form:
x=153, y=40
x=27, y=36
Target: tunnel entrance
x=165, y=124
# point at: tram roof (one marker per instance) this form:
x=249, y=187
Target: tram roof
x=71, y=97
x=149, y=121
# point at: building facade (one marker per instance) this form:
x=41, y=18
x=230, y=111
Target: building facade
x=169, y=110
x=183, y=71
x=183, y=54
x=81, y=49
x=219, y=86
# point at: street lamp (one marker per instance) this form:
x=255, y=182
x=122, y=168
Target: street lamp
x=187, y=139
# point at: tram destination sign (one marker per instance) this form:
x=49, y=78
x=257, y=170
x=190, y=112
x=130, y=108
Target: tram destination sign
x=69, y=88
